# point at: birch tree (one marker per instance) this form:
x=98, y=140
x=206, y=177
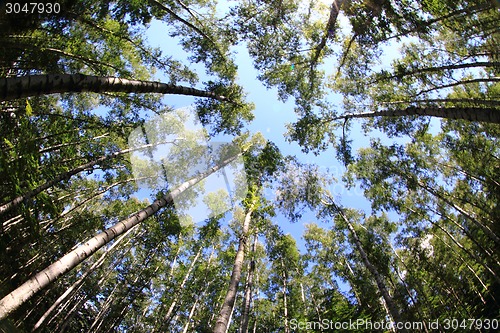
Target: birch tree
x=34, y=85
x=260, y=169
x=13, y=300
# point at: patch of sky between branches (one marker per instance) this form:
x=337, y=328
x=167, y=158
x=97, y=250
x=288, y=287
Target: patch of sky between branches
x=172, y=148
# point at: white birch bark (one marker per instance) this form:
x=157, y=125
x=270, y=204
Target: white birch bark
x=16, y=298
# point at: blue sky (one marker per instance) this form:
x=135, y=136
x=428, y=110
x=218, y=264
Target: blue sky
x=271, y=116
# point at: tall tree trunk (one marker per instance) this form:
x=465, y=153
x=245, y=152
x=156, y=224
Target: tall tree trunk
x=248, y=291
x=391, y=306
x=157, y=323
x=80, y=299
x=68, y=214
x=316, y=308
x=351, y=279
x=191, y=313
x=169, y=321
x=35, y=85
x=415, y=303
x=179, y=291
x=488, y=115
x=131, y=296
x=61, y=327
x=389, y=303
x=231, y=314
x=487, y=253
x=99, y=318
x=388, y=313
x=74, y=287
x=285, y=300
x=69, y=144
x=67, y=175
x=207, y=284
x=469, y=11
x=127, y=296
x=462, y=211
x=216, y=305
x=471, y=254
x=69, y=261
x=329, y=32
x=473, y=271
x=227, y=306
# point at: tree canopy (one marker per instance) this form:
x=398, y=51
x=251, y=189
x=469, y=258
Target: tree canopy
x=402, y=98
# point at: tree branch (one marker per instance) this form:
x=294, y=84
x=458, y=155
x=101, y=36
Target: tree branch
x=190, y=25
x=36, y=85
x=437, y=69
x=329, y=31
x=488, y=115
x=459, y=83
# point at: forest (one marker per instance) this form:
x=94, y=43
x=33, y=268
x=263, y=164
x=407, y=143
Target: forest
x=101, y=173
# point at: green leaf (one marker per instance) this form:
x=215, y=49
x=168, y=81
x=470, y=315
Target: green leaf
x=29, y=109
x=11, y=146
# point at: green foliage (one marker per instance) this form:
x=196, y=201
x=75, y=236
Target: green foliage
x=431, y=239
x=300, y=188
x=224, y=117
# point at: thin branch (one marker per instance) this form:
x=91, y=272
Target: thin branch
x=489, y=102
x=469, y=11
x=190, y=11
x=345, y=54
x=126, y=38
x=190, y=25
x=437, y=69
x=459, y=83
x=89, y=62
x=489, y=115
